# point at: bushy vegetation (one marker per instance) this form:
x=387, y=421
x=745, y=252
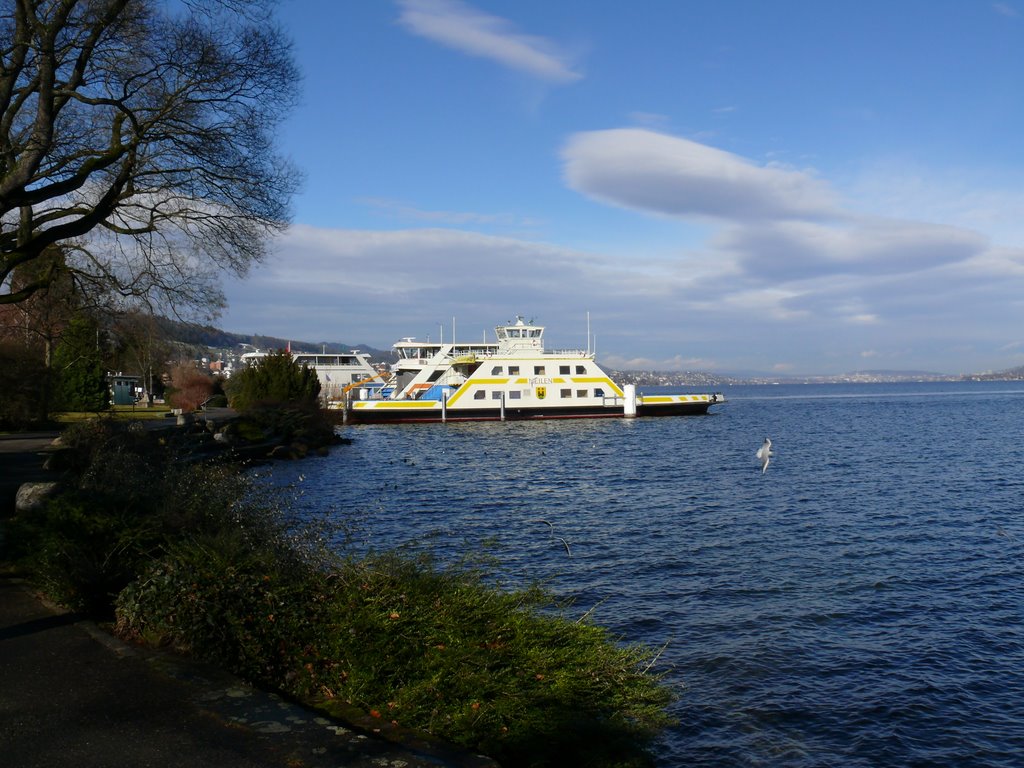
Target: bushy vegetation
x=276, y=378
x=78, y=364
x=190, y=387
x=436, y=649
x=195, y=558
x=131, y=496
x=24, y=382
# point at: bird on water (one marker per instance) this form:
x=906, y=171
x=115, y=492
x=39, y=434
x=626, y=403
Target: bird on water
x=764, y=454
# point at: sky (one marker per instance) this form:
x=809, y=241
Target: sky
x=791, y=187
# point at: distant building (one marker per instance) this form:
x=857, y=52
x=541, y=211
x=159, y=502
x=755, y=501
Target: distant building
x=124, y=388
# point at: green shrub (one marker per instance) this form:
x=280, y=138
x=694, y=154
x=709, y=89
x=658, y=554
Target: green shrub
x=435, y=649
x=129, y=497
x=273, y=379
x=293, y=422
x=81, y=376
x=194, y=557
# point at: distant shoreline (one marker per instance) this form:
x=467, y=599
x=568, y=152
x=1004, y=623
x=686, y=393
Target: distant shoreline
x=701, y=379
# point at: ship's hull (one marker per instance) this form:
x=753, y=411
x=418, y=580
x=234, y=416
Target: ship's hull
x=416, y=411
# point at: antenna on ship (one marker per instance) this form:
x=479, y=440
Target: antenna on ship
x=588, y=331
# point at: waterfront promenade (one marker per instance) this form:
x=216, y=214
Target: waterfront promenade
x=72, y=694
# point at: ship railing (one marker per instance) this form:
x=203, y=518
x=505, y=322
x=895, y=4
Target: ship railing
x=566, y=352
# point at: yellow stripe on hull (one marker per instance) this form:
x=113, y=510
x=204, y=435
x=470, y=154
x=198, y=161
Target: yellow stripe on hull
x=650, y=399
x=395, y=404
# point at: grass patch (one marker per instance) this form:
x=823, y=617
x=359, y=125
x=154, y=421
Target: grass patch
x=116, y=412
x=194, y=558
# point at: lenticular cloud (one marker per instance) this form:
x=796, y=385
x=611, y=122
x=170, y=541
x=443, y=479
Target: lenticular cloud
x=650, y=171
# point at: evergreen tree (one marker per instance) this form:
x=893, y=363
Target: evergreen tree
x=79, y=369
x=276, y=378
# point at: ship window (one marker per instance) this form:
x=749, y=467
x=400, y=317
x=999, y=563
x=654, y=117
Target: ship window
x=496, y=395
x=513, y=370
x=598, y=393
x=356, y=377
x=538, y=370
x=581, y=369
x=515, y=394
x=566, y=393
x=480, y=395
x=496, y=370
x=563, y=369
x=581, y=393
x=535, y=333
x=513, y=333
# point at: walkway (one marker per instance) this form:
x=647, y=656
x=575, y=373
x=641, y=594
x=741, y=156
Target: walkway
x=72, y=694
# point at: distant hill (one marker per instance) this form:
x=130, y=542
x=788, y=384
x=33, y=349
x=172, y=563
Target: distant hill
x=194, y=335
x=207, y=336
x=1011, y=374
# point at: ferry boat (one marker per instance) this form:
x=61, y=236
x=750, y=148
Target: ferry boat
x=513, y=378
x=338, y=372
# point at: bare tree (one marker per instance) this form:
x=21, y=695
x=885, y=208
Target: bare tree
x=38, y=321
x=138, y=135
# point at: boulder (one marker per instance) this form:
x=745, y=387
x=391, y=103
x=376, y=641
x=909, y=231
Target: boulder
x=32, y=496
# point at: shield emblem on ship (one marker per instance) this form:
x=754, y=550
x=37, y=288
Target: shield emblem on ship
x=541, y=391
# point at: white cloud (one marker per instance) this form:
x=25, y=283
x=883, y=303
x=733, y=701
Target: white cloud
x=466, y=29
x=795, y=250
x=654, y=172
x=796, y=257
x=783, y=270
x=776, y=224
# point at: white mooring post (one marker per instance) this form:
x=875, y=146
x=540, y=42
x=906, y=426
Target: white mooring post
x=502, y=406
x=629, y=404
x=444, y=407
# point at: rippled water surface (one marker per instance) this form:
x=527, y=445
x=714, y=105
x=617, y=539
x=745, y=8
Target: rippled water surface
x=860, y=604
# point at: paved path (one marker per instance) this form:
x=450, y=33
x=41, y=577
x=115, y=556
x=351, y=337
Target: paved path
x=72, y=695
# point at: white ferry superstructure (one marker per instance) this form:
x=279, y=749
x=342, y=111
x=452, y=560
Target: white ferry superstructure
x=514, y=378
x=338, y=372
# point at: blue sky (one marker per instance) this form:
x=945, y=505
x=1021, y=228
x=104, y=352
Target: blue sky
x=791, y=187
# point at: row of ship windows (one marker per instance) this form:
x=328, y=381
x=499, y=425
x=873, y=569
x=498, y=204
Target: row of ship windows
x=341, y=380
x=517, y=394
x=538, y=370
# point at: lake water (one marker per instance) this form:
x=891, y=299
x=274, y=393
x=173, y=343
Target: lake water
x=859, y=604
